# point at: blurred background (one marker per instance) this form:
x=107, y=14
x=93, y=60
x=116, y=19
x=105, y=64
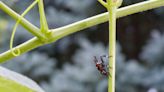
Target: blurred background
x=67, y=65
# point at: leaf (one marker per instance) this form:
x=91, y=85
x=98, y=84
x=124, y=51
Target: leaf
x=13, y=82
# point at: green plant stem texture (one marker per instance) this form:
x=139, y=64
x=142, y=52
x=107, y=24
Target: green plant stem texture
x=112, y=48
x=72, y=28
x=15, y=28
x=27, y=25
x=43, y=21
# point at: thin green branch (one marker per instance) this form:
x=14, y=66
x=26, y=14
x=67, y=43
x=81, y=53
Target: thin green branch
x=75, y=27
x=16, y=52
x=112, y=6
x=112, y=47
x=103, y=3
x=43, y=21
x=25, y=47
x=101, y=18
x=26, y=24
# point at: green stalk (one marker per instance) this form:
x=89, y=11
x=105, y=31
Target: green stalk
x=43, y=21
x=25, y=47
x=16, y=52
x=101, y=18
x=112, y=48
x=26, y=24
x=75, y=27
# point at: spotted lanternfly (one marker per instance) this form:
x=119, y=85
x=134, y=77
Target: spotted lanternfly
x=102, y=65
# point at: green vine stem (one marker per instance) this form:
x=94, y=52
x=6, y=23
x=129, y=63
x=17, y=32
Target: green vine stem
x=61, y=32
x=111, y=6
x=16, y=51
x=112, y=10
x=43, y=21
x=26, y=24
x=112, y=44
x=112, y=48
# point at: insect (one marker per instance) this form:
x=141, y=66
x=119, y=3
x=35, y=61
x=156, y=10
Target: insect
x=102, y=65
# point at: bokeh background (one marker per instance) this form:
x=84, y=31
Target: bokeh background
x=67, y=65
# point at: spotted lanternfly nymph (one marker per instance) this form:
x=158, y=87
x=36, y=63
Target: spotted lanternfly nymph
x=102, y=65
